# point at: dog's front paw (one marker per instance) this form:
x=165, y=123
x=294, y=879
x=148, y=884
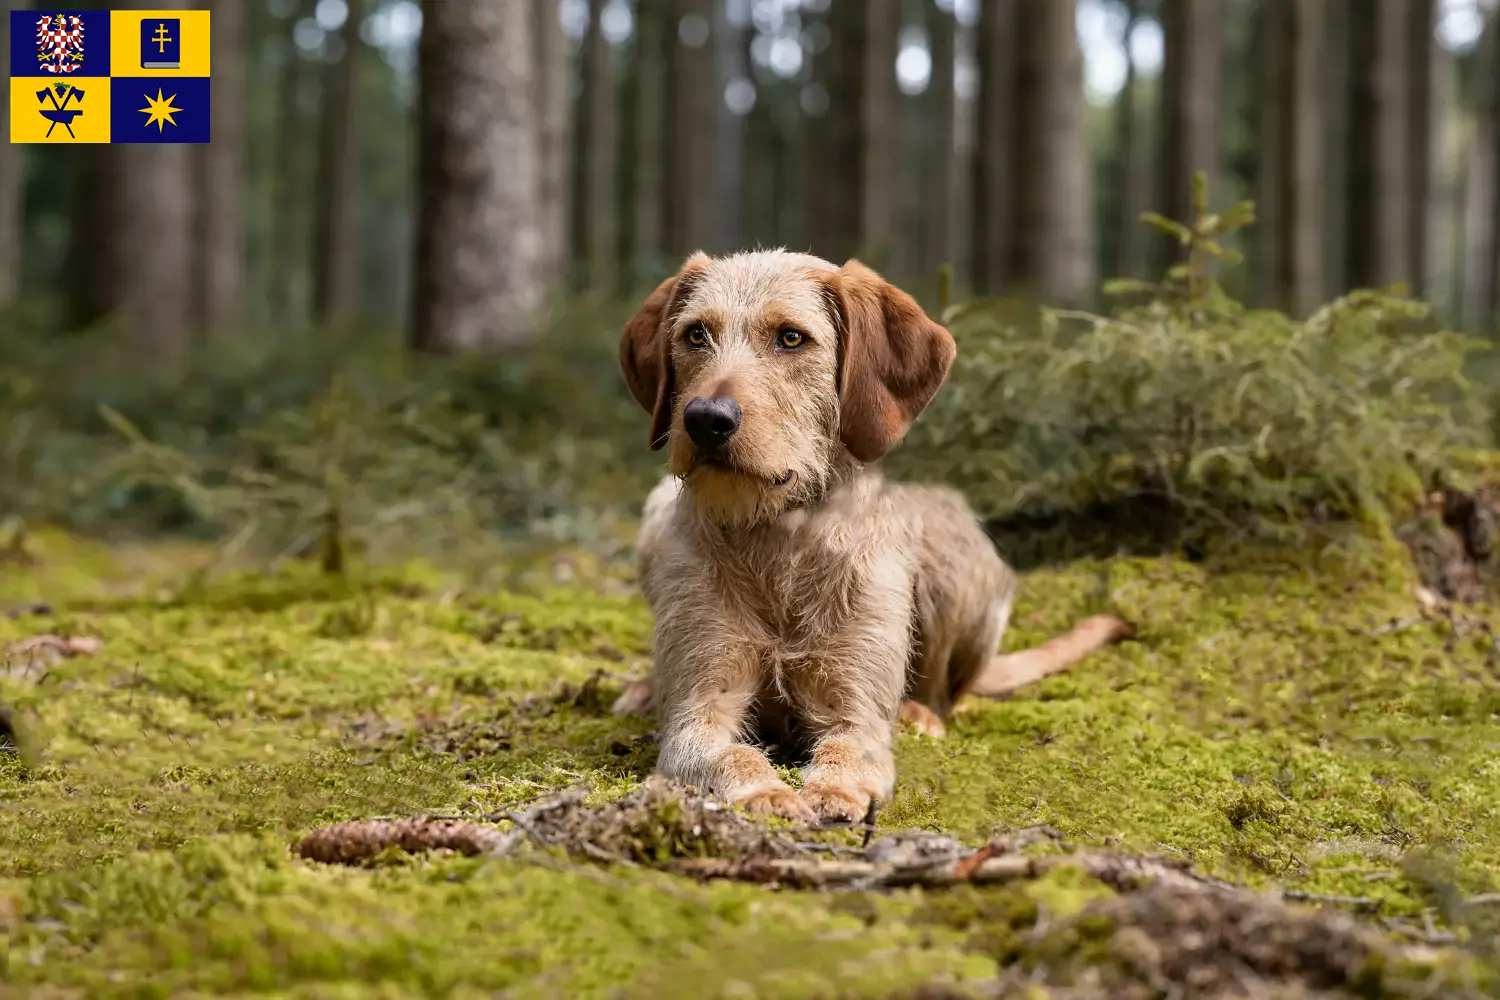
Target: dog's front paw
x=778, y=800
x=836, y=803
x=634, y=700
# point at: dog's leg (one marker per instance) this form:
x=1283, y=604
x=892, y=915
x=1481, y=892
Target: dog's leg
x=701, y=724
x=851, y=768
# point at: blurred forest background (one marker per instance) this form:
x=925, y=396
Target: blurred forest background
x=396, y=193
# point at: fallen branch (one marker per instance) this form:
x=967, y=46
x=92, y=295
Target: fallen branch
x=360, y=841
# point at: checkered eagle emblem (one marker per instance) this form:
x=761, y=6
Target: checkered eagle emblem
x=59, y=42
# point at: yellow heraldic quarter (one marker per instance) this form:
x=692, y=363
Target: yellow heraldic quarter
x=159, y=43
x=160, y=110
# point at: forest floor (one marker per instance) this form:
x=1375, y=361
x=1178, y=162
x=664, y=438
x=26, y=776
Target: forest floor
x=1320, y=738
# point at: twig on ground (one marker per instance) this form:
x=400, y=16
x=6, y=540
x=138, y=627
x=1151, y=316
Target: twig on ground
x=1361, y=902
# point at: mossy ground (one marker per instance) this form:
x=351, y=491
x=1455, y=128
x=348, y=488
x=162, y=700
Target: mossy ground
x=1275, y=724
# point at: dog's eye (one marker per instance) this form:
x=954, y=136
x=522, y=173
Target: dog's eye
x=789, y=339
x=696, y=335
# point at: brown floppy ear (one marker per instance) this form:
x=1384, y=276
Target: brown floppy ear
x=646, y=349
x=893, y=360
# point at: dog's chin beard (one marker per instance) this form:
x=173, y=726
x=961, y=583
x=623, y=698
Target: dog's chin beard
x=722, y=465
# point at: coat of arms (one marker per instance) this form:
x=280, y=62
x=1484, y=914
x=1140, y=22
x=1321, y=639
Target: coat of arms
x=59, y=42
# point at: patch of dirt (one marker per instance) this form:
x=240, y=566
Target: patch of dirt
x=466, y=737
x=1453, y=543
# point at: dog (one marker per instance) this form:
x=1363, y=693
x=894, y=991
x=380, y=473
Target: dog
x=798, y=595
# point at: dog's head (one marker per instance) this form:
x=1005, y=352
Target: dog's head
x=767, y=374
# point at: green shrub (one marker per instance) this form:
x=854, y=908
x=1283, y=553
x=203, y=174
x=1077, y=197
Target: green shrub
x=1183, y=417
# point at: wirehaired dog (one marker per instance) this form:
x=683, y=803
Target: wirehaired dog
x=798, y=595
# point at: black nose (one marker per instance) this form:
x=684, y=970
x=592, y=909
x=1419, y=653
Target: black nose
x=711, y=422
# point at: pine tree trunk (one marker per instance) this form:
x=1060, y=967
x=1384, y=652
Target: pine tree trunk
x=1379, y=183
x=1338, y=77
x=1482, y=189
x=12, y=171
x=1052, y=248
x=291, y=230
x=1421, y=54
x=1308, y=167
x=653, y=22
x=593, y=203
x=880, y=121
x=627, y=145
x=1191, y=88
x=938, y=115
x=991, y=192
x=553, y=105
x=150, y=240
x=88, y=259
x=849, y=24
x=1443, y=221
x=820, y=235
x=336, y=236
x=729, y=60
x=1291, y=194
x=1276, y=92
x=1130, y=178
x=687, y=133
x=151, y=247
x=220, y=180
x=480, y=252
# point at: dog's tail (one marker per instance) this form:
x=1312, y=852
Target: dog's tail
x=1008, y=671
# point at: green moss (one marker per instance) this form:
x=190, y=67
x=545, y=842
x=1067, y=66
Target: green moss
x=1268, y=725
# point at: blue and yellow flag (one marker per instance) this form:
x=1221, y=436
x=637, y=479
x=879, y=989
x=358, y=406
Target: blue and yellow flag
x=109, y=76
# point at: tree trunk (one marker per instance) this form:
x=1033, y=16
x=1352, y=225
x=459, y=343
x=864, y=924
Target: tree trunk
x=12, y=177
x=1052, y=249
x=1338, y=77
x=593, y=226
x=993, y=178
x=687, y=133
x=849, y=24
x=1482, y=189
x=626, y=147
x=936, y=209
x=480, y=250
x=149, y=235
x=1130, y=177
x=220, y=180
x=151, y=251
x=880, y=120
x=1443, y=189
x=820, y=235
x=1421, y=151
x=653, y=22
x=728, y=173
x=1379, y=182
x=289, y=187
x=1289, y=250
x=1191, y=86
x=336, y=242
x=552, y=74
